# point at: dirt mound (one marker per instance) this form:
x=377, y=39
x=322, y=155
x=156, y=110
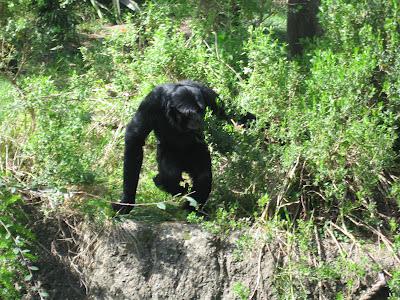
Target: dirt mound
x=175, y=260
x=169, y=261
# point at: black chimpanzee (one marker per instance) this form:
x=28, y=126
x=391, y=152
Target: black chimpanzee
x=175, y=112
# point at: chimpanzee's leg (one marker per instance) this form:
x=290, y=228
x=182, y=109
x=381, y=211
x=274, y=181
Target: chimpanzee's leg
x=199, y=169
x=170, y=171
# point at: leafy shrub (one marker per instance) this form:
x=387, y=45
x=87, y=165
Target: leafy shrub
x=15, y=256
x=329, y=110
x=330, y=116
x=59, y=143
x=42, y=31
x=325, y=141
x=394, y=285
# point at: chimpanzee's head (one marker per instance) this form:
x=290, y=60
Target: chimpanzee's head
x=186, y=108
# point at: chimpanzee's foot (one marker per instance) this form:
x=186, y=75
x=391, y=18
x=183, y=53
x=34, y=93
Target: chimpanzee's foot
x=122, y=208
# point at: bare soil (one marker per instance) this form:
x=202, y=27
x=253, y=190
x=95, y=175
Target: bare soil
x=172, y=260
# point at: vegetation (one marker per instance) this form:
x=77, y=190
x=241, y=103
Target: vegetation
x=16, y=269
x=323, y=155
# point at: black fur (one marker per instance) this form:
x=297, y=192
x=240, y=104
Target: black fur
x=175, y=112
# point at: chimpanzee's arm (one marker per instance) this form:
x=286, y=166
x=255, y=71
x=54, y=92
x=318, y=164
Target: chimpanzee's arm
x=136, y=133
x=210, y=98
x=218, y=110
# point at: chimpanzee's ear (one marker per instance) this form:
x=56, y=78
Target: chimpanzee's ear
x=209, y=95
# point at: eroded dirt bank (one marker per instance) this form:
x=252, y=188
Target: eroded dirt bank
x=173, y=260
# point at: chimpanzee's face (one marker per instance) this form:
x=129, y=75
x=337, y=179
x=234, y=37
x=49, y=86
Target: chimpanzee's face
x=186, y=110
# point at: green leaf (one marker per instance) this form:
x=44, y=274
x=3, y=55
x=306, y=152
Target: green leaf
x=44, y=294
x=33, y=268
x=161, y=205
x=192, y=202
x=28, y=277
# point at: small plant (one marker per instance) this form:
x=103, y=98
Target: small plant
x=244, y=243
x=222, y=224
x=241, y=291
x=16, y=268
x=394, y=285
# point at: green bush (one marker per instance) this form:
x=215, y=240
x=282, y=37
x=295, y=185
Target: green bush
x=335, y=109
x=15, y=256
x=329, y=117
x=60, y=142
x=394, y=285
x=325, y=141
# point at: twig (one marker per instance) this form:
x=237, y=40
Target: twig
x=87, y=194
x=276, y=203
x=81, y=276
x=150, y=203
x=318, y=193
x=259, y=275
x=385, y=240
x=67, y=260
x=342, y=252
x=216, y=45
x=111, y=145
x=23, y=61
x=352, y=237
x=321, y=254
x=87, y=247
x=237, y=75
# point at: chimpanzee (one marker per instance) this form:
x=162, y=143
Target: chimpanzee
x=175, y=112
